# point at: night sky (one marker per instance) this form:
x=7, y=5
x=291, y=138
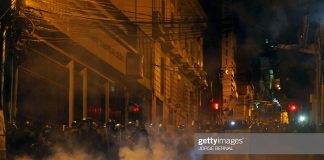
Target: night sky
x=279, y=21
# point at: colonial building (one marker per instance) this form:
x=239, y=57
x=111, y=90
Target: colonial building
x=228, y=69
x=178, y=75
x=228, y=65
x=123, y=60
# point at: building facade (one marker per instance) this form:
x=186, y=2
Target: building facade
x=245, y=105
x=122, y=60
x=228, y=71
x=178, y=76
x=228, y=64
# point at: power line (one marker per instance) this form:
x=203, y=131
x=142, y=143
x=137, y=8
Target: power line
x=184, y=21
x=61, y=5
x=103, y=4
x=184, y=30
x=107, y=4
x=176, y=31
x=181, y=32
x=6, y=12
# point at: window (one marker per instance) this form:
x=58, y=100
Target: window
x=162, y=76
x=163, y=8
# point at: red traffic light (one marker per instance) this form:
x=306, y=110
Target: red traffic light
x=135, y=109
x=292, y=107
x=216, y=105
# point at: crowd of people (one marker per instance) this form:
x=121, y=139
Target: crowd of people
x=37, y=141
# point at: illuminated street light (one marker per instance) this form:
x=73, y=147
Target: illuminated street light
x=302, y=118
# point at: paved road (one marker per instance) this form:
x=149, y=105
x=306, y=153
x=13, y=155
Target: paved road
x=263, y=157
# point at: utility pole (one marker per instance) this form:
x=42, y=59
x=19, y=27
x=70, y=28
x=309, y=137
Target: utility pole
x=315, y=49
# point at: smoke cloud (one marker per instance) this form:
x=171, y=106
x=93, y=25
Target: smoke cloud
x=162, y=146
x=168, y=146
x=61, y=154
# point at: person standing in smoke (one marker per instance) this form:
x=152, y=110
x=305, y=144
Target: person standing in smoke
x=138, y=136
x=27, y=139
x=144, y=137
x=110, y=144
x=12, y=139
x=88, y=135
x=43, y=142
x=72, y=134
x=131, y=134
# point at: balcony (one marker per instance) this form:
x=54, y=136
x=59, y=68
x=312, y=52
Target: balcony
x=158, y=30
x=170, y=41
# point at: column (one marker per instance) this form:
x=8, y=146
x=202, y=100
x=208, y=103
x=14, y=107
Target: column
x=84, y=74
x=12, y=83
x=146, y=108
x=15, y=98
x=107, y=102
x=71, y=92
x=126, y=105
x=3, y=62
x=154, y=118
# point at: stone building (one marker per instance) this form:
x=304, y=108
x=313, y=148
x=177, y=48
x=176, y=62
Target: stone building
x=125, y=60
x=228, y=63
